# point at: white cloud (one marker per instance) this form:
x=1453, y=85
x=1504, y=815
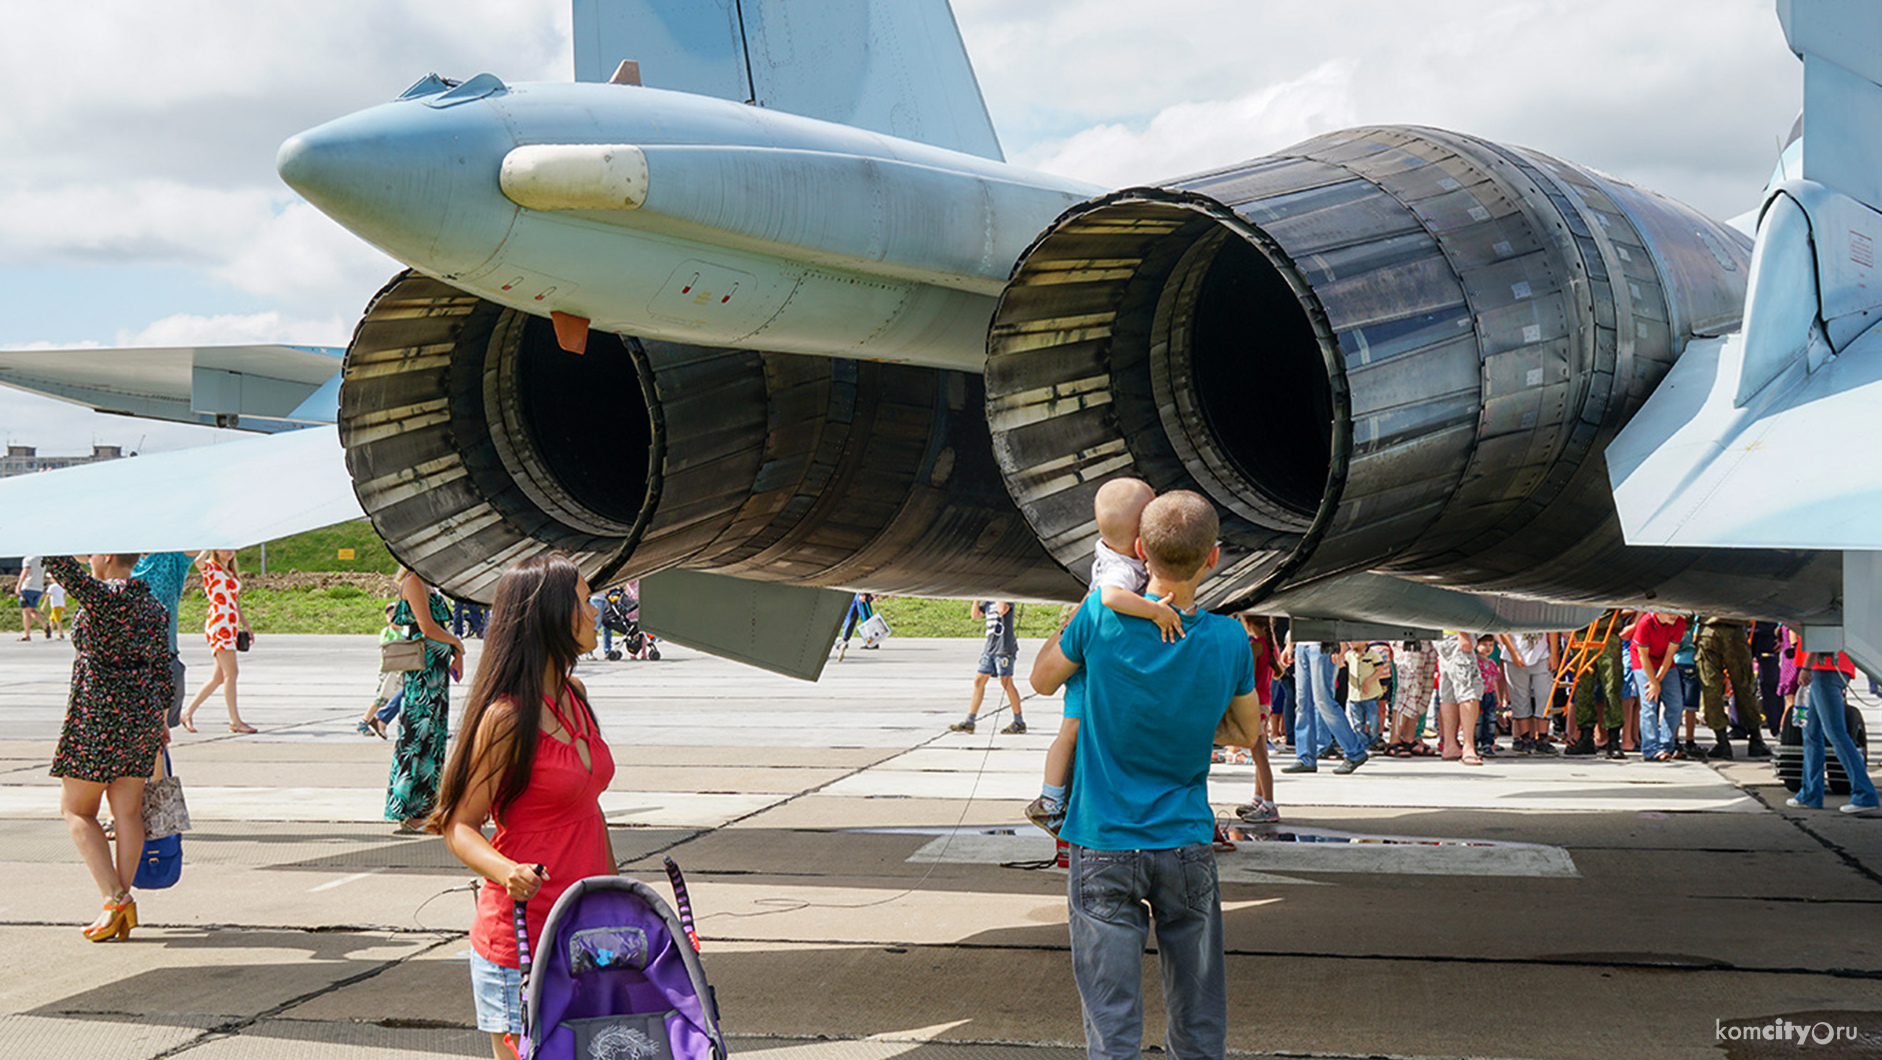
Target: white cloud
x=1191, y=136
x=185, y=329
x=1683, y=95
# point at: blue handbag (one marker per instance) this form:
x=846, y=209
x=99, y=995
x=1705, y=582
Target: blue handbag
x=165, y=817
x=161, y=865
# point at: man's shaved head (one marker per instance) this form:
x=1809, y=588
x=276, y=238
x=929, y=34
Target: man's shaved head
x=1178, y=530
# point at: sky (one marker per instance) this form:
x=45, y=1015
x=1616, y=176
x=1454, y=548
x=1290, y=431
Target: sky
x=139, y=204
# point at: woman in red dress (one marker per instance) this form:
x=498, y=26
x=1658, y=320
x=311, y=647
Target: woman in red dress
x=223, y=623
x=531, y=758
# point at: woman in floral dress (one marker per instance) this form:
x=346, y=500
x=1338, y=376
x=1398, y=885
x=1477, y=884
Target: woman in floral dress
x=222, y=588
x=425, y=722
x=113, y=723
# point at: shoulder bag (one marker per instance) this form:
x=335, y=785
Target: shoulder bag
x=401, y=655
x=166, y=818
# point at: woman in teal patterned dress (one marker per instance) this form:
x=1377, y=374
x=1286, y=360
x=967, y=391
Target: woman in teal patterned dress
x=121, y=687
x=425, y=722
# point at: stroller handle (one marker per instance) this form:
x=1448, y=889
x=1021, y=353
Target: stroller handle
x=520, y=919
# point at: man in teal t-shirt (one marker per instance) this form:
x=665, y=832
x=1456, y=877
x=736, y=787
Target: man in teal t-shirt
x=1138, y=820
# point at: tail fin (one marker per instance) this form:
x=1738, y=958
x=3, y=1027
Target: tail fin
x=891, y=66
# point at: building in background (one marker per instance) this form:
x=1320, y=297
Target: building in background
x=21, y=459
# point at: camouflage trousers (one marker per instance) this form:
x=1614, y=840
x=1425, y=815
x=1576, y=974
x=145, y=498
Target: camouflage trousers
x=1603, y=679
x=1721, y=651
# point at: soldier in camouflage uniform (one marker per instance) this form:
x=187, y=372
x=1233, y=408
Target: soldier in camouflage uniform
x=1603, y=678
x=1723, y=649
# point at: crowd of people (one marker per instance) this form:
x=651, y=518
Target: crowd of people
x=1155, y=690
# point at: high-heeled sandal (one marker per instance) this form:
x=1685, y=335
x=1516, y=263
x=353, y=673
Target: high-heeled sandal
x=123, y=910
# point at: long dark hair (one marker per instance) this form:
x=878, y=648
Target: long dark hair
x=530, y=631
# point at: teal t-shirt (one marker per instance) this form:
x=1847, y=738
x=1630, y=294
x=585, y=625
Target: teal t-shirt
x=1150, y=709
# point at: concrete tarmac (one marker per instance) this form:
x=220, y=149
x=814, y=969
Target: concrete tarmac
x=868, y=887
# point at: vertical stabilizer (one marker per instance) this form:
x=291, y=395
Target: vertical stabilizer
x=1840, y=42
x=890, y=66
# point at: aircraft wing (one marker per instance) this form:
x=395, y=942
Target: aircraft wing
x=258, y=388
x=891, y=66
x=230, y=495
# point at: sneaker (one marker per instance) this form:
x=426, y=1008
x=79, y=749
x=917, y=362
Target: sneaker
x=1223, y=844
x=1542, y=746
x=1858, y=811
x=1048, y=815
x=1018, y=727
x=1795, y=805
x=1521, y=746
x=1349, y=765
x=1332, y=753
x=1301, y=767
x=962, y=726
x=1488, y=750
x=1260, y=811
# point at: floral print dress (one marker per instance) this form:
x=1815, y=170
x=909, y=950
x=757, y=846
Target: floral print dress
x=424, y=722
x=121, y=683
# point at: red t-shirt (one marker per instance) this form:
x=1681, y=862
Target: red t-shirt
x=1839, y=662
x=1264, y=667
x=1657, y=636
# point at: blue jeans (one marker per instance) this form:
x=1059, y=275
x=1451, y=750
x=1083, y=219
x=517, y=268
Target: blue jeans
x=1283, y=692
x=1486, y=719
x=1320, y=718
x=1113, y=895
x=1365, y=715
x=1660, y=718
x=1825, y=721
x=391, y=710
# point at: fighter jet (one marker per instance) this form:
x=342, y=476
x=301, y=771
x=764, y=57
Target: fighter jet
x=755, y=310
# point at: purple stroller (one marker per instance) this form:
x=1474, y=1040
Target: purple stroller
x=618, y=978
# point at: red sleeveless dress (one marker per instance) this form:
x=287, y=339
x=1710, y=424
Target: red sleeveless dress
x=556, y=822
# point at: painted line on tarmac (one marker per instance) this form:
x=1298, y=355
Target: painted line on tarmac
x=344, y=880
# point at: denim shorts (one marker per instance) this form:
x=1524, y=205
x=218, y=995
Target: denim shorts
x=29, y=599
x=996, y=665
x=497, y=993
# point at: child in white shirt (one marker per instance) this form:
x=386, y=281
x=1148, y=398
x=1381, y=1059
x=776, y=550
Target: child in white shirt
x=1120, y=578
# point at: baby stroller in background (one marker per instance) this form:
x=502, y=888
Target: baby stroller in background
x=618, y=977
x=620, y=616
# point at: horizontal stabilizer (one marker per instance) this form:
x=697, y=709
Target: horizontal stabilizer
x=787, y=629
x=890, y=66
x=231, y=495
x=257, y=388
x=1793, y=469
